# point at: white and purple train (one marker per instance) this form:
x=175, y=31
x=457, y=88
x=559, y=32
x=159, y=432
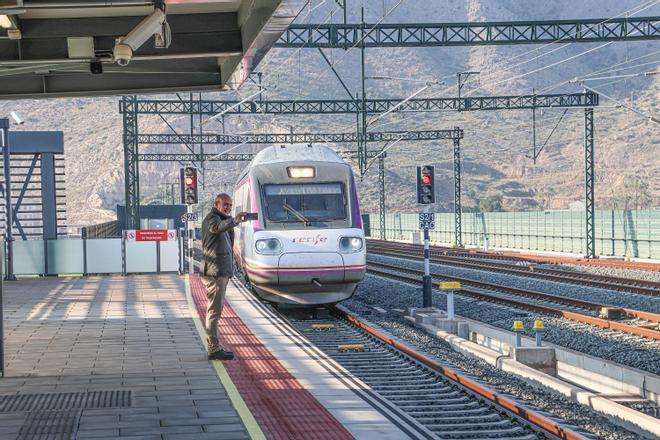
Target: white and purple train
x=307, y=246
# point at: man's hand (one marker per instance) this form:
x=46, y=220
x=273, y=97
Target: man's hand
x=240, y=217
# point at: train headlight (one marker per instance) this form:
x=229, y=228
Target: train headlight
x=350, y=244
x=270, y=246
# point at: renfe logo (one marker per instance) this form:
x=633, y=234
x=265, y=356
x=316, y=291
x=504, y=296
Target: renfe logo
x=310, y=240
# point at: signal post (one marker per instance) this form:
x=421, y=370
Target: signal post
x=189, y=197
x=426, y=197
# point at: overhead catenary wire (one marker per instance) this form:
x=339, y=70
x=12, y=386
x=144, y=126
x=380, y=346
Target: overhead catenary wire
x=631, y=75
x=332, y=65
x=380, y=122
x=510, y=62
x=613, y=68
x=645, y=5
x=651, y=118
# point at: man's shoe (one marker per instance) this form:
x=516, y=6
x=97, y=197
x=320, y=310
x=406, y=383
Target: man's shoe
x=221, y=355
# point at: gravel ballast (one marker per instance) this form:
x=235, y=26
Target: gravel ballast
x=635, y=274
x=630, y=350
x=586, y=293
x=517, y=388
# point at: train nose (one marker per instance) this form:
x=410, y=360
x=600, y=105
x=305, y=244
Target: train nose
x=311, y=268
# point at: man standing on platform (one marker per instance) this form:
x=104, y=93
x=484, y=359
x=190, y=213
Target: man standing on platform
x=218, y=266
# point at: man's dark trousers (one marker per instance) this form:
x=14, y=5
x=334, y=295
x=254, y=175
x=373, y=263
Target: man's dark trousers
x=215, y=294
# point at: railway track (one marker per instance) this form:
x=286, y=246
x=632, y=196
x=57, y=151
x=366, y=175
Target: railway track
x=554, y=305
x=529, y=258
x=639, y=287
x=448, y=404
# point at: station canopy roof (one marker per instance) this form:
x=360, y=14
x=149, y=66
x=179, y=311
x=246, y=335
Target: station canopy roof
x=86, y=48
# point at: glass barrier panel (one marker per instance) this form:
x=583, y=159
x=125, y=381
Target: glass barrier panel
x=169, y=256
x=140, y=256
x=65, y=256
x=29, y=257
x=104, y=255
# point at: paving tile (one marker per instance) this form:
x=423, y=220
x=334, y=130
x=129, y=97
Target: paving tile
x=220, y=414
x=84, y=433
x=132, y=437
x=224, y=427
x=181, y=421
x=208, y=436
x=98, y=419
x=109, y=333
x=160, y=430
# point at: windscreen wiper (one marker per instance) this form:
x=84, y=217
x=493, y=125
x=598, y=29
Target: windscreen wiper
x=297, y=213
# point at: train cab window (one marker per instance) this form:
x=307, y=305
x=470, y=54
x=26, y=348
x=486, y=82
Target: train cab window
x=305, y=202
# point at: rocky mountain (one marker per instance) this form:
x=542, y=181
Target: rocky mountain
x=498, y=146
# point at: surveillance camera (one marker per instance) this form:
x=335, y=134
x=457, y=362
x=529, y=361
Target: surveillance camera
x=122, y=53
x=17, y=118
x=153, y=24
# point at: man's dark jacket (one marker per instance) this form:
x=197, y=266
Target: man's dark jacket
x=217, y=244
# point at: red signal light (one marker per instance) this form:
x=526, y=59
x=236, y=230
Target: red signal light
x=190, y=180
x=426, y=180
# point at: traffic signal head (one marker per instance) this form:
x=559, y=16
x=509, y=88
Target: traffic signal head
x=189, y=185
x=425, y=185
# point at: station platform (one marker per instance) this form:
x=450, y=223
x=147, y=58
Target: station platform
x=124, y=358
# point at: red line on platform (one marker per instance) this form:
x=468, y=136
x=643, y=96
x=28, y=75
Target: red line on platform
x=279, y=403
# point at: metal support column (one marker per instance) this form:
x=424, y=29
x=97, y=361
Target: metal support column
x=49, y=197
x=458, y=241
x=589, y=200
x=362, y=125
x=381, y=196
x=427, y=280
x=4, y=142
x=190, y=231
x=2, y=315
x=9, y=211
x=131, y=164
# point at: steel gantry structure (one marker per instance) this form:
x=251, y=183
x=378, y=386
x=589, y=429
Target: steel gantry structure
x=131, y=108
x=135, y=107
x=290, y=138
x=364, y=35
x=347, y=106
x=342, y=36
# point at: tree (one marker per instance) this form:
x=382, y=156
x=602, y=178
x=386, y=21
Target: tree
x=491, y=204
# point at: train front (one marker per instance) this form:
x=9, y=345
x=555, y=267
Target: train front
x=309, y=244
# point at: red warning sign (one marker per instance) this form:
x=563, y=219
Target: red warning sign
x=151, y=235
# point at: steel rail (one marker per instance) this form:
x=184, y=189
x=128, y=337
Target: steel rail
x=530, y=258
x=538, y=420
x=573, y=302
x=641, y=287
x=573, y=316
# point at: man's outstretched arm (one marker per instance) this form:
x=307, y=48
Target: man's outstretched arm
x=218, y=226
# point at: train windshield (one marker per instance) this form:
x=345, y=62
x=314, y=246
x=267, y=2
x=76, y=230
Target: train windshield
x=306, y=202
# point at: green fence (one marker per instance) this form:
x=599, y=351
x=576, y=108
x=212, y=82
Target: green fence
x=618, y=232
